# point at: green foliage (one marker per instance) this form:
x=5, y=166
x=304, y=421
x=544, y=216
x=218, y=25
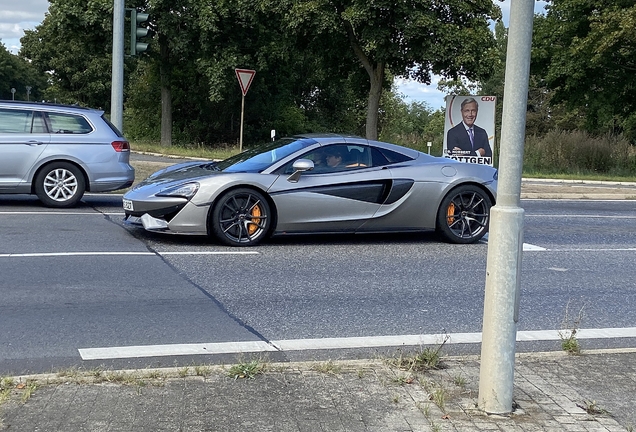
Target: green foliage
x=579, y=153
x=584, y=50
x=247, y=370
x=17, y=73
x=74, y=45
x=411, y=125
x=398, y=38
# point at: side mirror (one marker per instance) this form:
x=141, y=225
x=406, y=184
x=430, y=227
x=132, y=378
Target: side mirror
x=300, y=166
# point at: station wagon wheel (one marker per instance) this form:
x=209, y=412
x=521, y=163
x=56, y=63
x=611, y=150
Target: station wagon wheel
x=241, y=217
x=60, y=184
x=464, y=214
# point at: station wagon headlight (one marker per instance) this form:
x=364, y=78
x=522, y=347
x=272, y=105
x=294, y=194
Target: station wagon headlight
x=186, y=190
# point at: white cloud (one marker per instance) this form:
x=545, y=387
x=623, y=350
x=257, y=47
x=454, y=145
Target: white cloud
x=17, y=16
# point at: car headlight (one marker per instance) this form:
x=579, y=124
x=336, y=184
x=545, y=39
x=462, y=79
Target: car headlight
x=186, y=190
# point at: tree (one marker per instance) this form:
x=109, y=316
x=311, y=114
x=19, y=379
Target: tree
x=585, y=49
x=74, y=45
x=412, y=38
x=17, y=73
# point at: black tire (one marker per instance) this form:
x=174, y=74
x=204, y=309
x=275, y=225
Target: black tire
x=60, y=184
x=241, y=217
x=464, y=215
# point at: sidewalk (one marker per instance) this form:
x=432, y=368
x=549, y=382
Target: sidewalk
x=553, y=392
x=576, y=189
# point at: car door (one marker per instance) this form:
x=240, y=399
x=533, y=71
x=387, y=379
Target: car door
x=23, y=138
x=324, y=200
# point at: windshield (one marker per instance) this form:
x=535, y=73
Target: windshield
x=260, y=157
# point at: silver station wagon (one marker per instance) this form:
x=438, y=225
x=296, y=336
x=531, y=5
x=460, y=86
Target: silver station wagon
x=58, y=152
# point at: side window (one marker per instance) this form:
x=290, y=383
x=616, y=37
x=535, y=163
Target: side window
x=68, y=124
x=335, y=158
x=383, y=157
x=20, y=122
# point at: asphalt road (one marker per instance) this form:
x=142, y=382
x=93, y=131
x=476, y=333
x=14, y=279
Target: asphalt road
x=78, y=279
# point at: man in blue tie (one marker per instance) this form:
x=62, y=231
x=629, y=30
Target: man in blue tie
x=468, y=139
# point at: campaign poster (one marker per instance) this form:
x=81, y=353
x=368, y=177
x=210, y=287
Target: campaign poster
x=469, y=129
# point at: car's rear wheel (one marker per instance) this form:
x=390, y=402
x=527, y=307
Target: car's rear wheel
x=60, y=184
x=464, y=214
x=241, y=217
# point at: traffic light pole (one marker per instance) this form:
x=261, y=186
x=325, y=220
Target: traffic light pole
x=117, y=84
x=505, y=240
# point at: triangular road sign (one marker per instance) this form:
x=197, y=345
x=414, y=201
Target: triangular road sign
x=245, y=77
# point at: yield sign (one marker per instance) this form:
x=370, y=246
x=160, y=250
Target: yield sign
x=245, y=77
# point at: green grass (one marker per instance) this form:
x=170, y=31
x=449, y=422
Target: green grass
x=247, y=370
x=194, y=150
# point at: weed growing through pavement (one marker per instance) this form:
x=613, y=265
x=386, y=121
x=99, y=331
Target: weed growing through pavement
x=426, y=409
x=404, y=379
x=6, y=385
x=459, y=381
x=439, y=398
x=327, y=367
x=569, y=341
x=592, y=408
x=203, y=371
x=427, y=359
x=28, y=390
x=247, y=370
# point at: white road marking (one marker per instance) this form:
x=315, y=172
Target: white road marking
x=338, y=343
x=561, y=216
x=61, y=213
x=174, y=350
x=140, y=253
x=532, y=248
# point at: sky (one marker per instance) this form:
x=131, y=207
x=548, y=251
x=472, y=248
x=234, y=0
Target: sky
x=18, y=15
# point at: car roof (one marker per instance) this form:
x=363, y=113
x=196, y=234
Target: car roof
x=329, y=138
x=49, y=106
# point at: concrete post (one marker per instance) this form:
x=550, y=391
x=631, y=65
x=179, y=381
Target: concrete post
x=117, y=79
x=505, y=240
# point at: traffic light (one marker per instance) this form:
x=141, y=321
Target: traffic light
x=137, y=31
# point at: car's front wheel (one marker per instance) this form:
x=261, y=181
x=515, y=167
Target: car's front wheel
x=464, y=214
x=241, y=217
x=60, y=184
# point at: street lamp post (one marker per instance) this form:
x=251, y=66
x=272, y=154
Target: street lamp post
x=12, y=93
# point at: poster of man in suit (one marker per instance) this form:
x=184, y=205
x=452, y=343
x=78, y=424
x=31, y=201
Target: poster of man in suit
x=464, y=140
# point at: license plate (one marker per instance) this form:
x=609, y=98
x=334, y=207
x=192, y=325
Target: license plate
x=128, y=205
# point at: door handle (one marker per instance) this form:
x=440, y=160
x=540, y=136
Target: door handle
x=34, y=142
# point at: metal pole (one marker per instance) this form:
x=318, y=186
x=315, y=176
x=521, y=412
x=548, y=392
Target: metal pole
x=117, y=85
x=241, y=135
x=505, y=240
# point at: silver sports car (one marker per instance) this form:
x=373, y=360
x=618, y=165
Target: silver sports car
x=317, y=183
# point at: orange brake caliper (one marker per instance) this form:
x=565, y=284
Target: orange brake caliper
x=256, y=212
x=450, y=214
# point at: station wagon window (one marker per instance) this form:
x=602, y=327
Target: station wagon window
x=68, y=124
x=21, y=121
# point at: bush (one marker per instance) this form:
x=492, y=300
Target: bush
x=575, y=152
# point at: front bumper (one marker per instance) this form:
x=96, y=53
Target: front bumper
x=189, y=219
